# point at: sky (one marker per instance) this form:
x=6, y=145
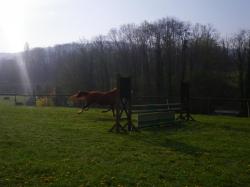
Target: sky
x=44, y=23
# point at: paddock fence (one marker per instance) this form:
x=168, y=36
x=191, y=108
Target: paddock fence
x=37, y=100
x=222, y=106
x=204, y=105
x=198, y=105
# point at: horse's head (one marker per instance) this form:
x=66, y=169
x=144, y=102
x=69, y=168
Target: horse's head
x=73, y=97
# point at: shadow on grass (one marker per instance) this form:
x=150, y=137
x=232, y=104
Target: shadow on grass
x=167, y=127
x=161, y=135
x=173, y=145
x=182, y=147
x=233, y=129
x=156, y=136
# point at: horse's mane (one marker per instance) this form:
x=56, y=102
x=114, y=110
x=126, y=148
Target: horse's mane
x=81, y=94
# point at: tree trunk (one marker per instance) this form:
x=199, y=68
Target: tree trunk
x=248, y=73
x=159, y=68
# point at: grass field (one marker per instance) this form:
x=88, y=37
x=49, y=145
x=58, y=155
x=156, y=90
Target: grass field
x=57, y=147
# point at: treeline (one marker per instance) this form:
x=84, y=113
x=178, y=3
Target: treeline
x=157, y=55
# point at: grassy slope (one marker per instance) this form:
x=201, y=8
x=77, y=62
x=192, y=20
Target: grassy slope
x=57, y=147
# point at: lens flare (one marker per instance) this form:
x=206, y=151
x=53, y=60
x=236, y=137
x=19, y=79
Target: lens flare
x=26, y=83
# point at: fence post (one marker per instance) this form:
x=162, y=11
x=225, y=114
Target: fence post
x=248, y=110
x=15, y=98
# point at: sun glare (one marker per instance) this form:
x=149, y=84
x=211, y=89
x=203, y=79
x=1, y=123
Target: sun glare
x=13, y=18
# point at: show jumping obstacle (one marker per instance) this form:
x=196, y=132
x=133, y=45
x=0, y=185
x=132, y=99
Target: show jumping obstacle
x=148, y=115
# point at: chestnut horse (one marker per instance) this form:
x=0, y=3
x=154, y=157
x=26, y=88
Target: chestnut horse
x=96, y=97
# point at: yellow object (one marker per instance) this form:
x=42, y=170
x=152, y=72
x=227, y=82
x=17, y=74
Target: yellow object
x=44, y=101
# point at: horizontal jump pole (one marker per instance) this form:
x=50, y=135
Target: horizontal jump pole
x=157, y=110
x=155, y=106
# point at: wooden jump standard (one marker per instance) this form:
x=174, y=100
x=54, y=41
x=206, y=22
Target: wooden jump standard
x=148, y=115
x=123, y=104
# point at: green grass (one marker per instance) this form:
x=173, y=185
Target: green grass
x=57, y=147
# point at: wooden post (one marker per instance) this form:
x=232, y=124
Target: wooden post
x=125, y=96
x=184, y=61
x=123, y=104
x=185, y=102
x=117, y=126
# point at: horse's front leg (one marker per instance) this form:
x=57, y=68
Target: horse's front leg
x=80, y=111
x=84, y=106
